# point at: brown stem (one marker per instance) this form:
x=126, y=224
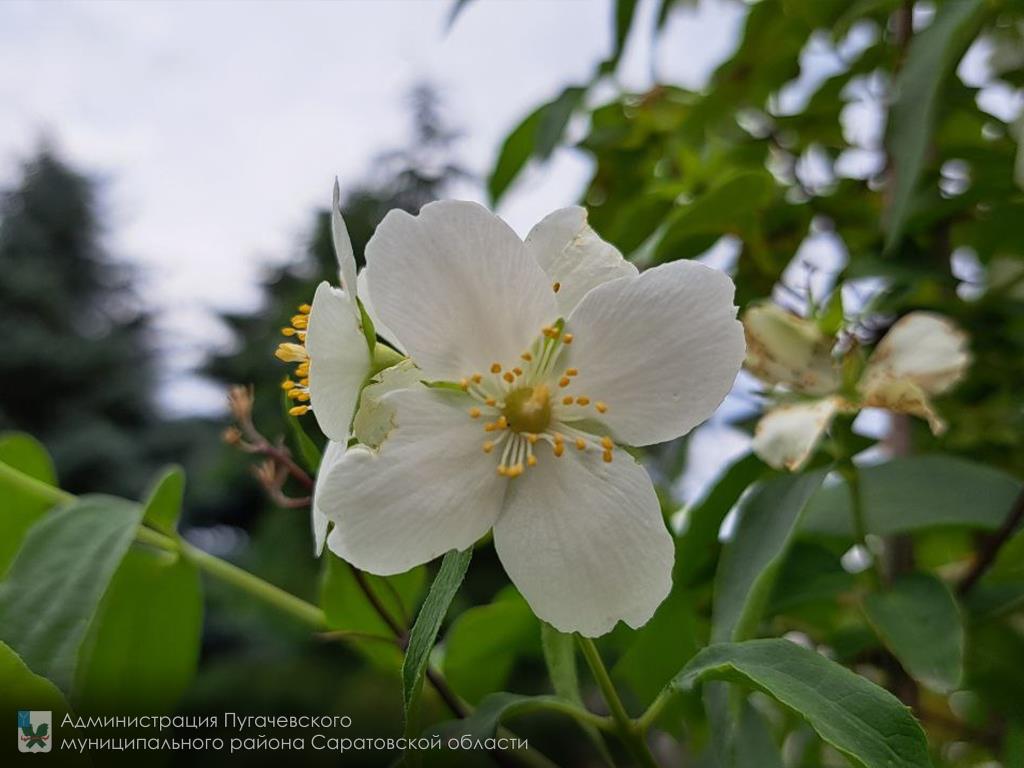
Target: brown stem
x=282, y=457
x=991, y=546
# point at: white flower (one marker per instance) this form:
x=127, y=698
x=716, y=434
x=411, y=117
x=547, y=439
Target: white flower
x=333, y=358
x=921, y=356
x=549, y=373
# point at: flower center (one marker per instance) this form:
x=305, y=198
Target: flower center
x=528, y=409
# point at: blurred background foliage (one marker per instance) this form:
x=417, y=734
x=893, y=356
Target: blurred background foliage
x=887, y=181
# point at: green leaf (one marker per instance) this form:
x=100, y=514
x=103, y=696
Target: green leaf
x=625, y=11
x=919, y=621
x=495, y=708
x=484, y=643
x=347, y=609
x=55, y=584
x=754, y=746
x=768, y=522
x=142, y=647
x=915, y=492
x=308, y=453
x=164, y=501
x=931, y=61
x=555, y=119
x=560, y=658
x=428, y=623
x=857, y=717
x=20, y=688
x=831, y=319
x=21, y=508
x=697, y=545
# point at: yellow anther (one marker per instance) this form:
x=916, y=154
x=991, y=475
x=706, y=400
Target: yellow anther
x=556, y=287
x=502, y=422
x=571, y=372
x=463, y=384
x=606, y=443
x=531, y=460
x=567, y=400
x=301, y=335
x=304, y=382
x=532, y=439
x=551, y=333
x=299, y=410
x=565, y=381
x=291, y=353
x=488, y=446
x=601, y=407
x=517, y=371
x=490, y=426
x=509, y=377
x=302, y=369
x=502, y=470
x=302, y=397
x=607, y=456
x=287, y=384
x=495, y=368
x=288, y=331
x=474, y=413
x=582, y=401
x=559, y=437
x=581, y=444
x=559, y=449
x=294, y=393
x=305, y=309
x=477, y=378
x=300, y=321
x=567, y=338
x=526, y=356
x=491, y=401
x=515, y=471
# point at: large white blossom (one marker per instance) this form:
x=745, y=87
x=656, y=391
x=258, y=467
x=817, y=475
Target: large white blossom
x=921, y=356
x=531, y=364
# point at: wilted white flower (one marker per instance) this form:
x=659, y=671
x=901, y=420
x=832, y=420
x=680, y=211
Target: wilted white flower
x=921, y=356
x=531, y=364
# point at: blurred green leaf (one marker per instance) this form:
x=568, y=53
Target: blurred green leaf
x=931, y=60
x=348, y=610
x=768, y=522
x=753, y=745
x=625, y=12
x=428, y=623
x=863, y=721
x=58, y=578
x=20, y=688
x=560, y=656
x=915, y=492
x=919, y=621
x=484, y=643
x=21, y=508
x=142, y=647
x=697, y=545
x=164, y=501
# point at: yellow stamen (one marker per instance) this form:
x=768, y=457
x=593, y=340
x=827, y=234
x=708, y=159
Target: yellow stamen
x=300, y=321
x=476, y=377
x=606, y=443
x=531, y=460
x=495, y=368
x=463, y=384
x=526, y=356
x=287, y=384
x=502, y=470
x=581, y=444
x=567, y=400
x=302, y=369
x=607, y=456
x=502, y=422
x=564, y=381
x=490, y=426
x=532, y=439
x=287, y=331
x=556, y=287
x=474, y=413
x=517, y=371
x=305, y=309
x=488, y=446
x=559, y=449
x=582, y=401
x=291, y=353
x=491, y=401
x=571, y=372
x=299, y=410
x=601, y=407
x=509, y=377
x=567, y=338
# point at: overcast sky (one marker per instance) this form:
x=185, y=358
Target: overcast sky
x=217, y=127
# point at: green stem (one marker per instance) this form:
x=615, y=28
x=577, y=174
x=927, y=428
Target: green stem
x=631, y=736
x=851, y=474
x=36, y=487
x=648, y=718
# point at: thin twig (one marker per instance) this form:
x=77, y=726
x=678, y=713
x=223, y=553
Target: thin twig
x=990, y=548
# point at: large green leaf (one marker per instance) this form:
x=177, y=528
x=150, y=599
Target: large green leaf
x=58, y=578
x=931, y=61
x=857, y=717
x=916, y=492
x=21, y=508
x=164, y=500
x=428, y=623
x=141, y=651
x=20, y=688
x=348, y=610
x=919, y=621
x=484, y=643
x=768, y=522
x=697, y=544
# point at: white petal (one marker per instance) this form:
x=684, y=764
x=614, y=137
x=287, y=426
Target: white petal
x=925, y=348
x=428, y=490
x=332, y=454
x=584, y=541
x=378, y=325
x=343, y=248
x=573, y=256
x=457, y=287
x=903, y=396
x=661, y=350
x=376, y=415
x=787, y=435
x=783, y=348
x=339, y=361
